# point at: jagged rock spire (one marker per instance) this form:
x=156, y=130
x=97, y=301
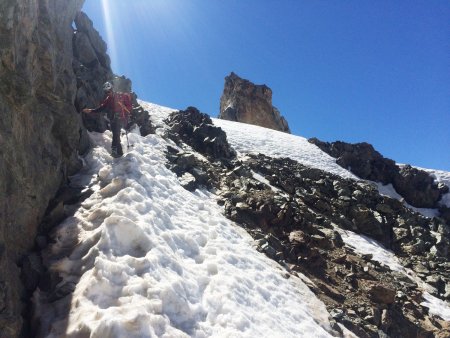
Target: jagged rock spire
x=243, y=101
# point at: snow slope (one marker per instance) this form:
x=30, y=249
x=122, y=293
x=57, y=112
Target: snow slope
x=158, y=261
x=151, y=259
x=247, y=138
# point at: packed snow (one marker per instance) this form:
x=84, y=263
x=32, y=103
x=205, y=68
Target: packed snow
x=251, y=139
x=147, y=258
x=246, y=138
x=155, y=260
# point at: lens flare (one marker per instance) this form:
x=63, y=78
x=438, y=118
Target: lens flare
x=149, y=32
x=108, y=20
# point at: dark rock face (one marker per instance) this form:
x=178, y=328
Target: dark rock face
x=48, y=73
x=197, y=130
x=142, y=118
x=94, y=48
x=243, y=101
x=296, y=222
x=416, y=186
x=39, y=130
x=35, y=270
x=92, y=68
x=362, y=160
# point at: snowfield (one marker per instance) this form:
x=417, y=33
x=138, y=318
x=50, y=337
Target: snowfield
x=250, y=139
x=152, y=259
x=158, y=261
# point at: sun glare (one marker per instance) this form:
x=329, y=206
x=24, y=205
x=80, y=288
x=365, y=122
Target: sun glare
x=140, y=26
x=108, y=20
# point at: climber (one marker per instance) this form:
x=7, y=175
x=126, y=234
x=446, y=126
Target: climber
x=118, y=106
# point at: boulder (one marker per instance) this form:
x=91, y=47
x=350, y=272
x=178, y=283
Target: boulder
x=197, y=130
x=298, y=238
x=370, y=223
x=381, y=294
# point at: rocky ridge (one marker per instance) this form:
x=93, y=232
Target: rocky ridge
x=296, y=216
x=416, y=186
x=243, y=101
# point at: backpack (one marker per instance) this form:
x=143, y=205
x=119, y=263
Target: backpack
x=123, y=106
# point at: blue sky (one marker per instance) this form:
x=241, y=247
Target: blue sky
x=353, y=70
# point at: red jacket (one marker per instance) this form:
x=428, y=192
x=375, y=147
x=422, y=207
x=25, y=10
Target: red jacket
x=117, y=103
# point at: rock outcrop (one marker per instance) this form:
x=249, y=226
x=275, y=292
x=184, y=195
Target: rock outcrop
x=40, y=131
x=92, y=68
x=243, y=101
x=197, y=129
x=416, y=186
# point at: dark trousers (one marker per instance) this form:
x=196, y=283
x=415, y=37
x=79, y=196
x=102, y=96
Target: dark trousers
x=116, y=127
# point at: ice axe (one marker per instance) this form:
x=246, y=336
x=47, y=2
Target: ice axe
x=126, y=128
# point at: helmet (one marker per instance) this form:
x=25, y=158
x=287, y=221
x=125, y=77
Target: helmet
x=107, y=86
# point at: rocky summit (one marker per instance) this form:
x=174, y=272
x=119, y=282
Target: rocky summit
x=243, y=101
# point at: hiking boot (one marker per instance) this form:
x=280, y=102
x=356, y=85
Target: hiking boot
x=115, y=153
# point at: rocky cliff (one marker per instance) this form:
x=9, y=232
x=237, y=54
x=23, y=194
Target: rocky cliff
x=92, y=68
x=53, y=63
x=39, y=130
x=243, y=101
